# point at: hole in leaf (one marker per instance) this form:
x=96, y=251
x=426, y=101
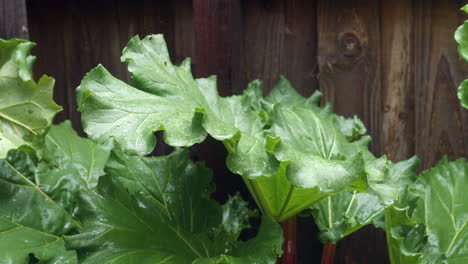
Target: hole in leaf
x=33, y=259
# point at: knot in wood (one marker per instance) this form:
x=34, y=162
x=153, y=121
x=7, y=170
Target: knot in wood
x=350, y=45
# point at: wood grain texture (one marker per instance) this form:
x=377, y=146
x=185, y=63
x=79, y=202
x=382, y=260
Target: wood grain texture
x=13, y=19
x=349, y=76
x=397, y=76
x=300, y=45
x=217, y=35
x=263, y=41
x=46, y=26
x=280, y=39
x=441, y=123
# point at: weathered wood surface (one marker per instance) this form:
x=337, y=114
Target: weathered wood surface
x=392, y=63
x=218, y=31
x=13, y=19
x=441, y=123
x=397, y=80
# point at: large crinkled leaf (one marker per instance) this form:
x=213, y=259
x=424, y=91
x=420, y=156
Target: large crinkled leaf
x=431, y=227
x=71, y=164
x=63, y=148
x=390, y=181
x=443, y=210
x=341, y=214
x=32, y=225
x=42, y=204
x=22, y=244
x=162, y=96
x=405, y=238
x=173, y=184
x=26, y=107
x=152, y=210
x=317, y=153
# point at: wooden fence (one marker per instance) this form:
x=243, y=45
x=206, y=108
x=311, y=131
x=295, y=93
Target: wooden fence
x=392, y=63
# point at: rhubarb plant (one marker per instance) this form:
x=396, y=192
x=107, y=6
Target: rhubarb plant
x=290, y=151
x=67, y=199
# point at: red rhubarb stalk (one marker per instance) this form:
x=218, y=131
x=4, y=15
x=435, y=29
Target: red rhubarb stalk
x=328, y=256
x=290, y=242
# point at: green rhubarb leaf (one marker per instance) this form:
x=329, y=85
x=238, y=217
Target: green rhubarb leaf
x=390, y=181
x=161, y=213
x=235, y=216
x=172, y=183
x=162, y=96
x=432, y=227
x=313, y=142
x=64, y=147
x=277, y=197
x=318, y=154
x=26, y=107
x=405, y=238
x=461, y=36
x=465, y=8
x=264, y=244
x=32, y=224
x=71, y=164
x=341, y=214
x=463, y=93
x=441, y=195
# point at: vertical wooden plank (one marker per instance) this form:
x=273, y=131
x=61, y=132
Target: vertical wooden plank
x=300, y=45
x=184, y=37
x=349, y=77
x=263, y=40
x=398, y=90
x=217, y=52
x=13, y=19
x=280, y=39
x=46, y=29
x=441, y=123
x=217, y=34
